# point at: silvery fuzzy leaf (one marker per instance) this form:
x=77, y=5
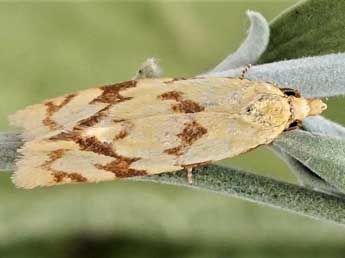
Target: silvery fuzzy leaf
x=316, y=125
x=305, y=176
x=321, y=125
x=259, y=189
x=9, y=143
x=252, y=47
x=315, y=77
x=323, y=155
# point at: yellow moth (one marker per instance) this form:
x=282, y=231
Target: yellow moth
x=150, y=126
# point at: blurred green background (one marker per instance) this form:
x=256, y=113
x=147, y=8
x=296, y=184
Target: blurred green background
x=48, y=49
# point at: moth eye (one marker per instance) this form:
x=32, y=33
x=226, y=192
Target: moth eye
x=140, y=71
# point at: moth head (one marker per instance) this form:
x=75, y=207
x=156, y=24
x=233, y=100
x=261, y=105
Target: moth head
x=316, y=106
x=302, y=107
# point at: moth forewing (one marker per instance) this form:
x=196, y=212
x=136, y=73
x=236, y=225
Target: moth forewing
x=150, y=126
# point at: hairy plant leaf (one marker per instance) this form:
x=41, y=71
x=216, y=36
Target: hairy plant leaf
x=244, y=185
x=324, y=155
x=316, y=125
x=305, y=176
x=251, y=48
x=9, y=143
x=320, y=76
x=321, y=125
x=310, y=28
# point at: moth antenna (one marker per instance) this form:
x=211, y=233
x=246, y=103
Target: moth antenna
x=245, y=70
x=149, y=69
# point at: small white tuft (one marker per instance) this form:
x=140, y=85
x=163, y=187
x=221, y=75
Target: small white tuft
x=149, y=69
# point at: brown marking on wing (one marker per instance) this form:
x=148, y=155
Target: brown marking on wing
x=190, y=133
x=126, y=128
x=86, y=143
x=94, y=119
x=53, y=108
x=120, y=166
x=64, y=136
x=94, y=145
x=111, y=93
x=54, y=155
x=182, y=105
x=119, y=120
x=58, y=175
x=176, y=151
x=122, y=134
x=173, y=95
x=175, y=80
x=187, y=106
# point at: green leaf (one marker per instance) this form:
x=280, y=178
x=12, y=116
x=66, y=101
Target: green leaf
x=305, y=176
x=324, y=155
x=313, y=27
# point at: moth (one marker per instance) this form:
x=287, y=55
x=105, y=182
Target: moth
x=150, y=126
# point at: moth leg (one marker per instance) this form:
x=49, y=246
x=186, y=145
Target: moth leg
x=189, y=175
x=149, y=69
x=245, y=70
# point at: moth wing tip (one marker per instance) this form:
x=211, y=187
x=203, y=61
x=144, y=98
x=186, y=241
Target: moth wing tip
x=29, y=174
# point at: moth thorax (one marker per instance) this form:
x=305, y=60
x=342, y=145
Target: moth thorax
x=302, y=107
x=267, y=110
